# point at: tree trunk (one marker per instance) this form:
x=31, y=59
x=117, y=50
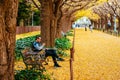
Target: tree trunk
x=64, y=25
x=112, y=22
x=119, y=24
x=67, y=24
x=95, y=24
x=102, y=23
x=49, y=22
x=106, y=22
x=8, y=14
x=60, y=27
x=118, y=21
x=45, y=22
x=99, y=23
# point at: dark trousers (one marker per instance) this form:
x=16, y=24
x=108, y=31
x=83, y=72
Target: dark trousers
x=51, y=53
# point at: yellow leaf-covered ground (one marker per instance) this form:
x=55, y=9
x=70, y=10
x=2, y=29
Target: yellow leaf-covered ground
x=97, y=57
x=27, y=34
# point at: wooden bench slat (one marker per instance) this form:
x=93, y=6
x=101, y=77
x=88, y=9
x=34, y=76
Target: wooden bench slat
x=33, y=59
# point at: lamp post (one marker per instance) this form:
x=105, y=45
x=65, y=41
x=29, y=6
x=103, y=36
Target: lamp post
x=32, y=18
x=72, y=56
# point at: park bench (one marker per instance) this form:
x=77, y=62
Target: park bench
x=33, y=59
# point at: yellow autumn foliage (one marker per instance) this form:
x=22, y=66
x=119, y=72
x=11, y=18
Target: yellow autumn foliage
x=96, y=57
x=101, y=1
x=88, y=13
x=27, y=34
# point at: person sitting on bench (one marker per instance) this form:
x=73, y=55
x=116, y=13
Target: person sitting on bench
x=38, y=46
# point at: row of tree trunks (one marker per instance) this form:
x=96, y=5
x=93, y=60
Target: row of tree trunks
x=103, y=23
x=8, y=14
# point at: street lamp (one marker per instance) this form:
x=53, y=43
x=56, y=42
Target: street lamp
x=32, y=18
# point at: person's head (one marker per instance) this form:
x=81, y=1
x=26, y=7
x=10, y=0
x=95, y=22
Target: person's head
x=38, y=39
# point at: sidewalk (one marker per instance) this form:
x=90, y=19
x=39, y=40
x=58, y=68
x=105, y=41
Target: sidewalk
x=97, y=57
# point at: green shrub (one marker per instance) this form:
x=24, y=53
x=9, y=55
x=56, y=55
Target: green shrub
x=21, y=44
x=62, y=53
x=69, y=33
x=31, y=75
x=63, y=43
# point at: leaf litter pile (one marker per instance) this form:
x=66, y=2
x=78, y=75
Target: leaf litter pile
x=96, y=57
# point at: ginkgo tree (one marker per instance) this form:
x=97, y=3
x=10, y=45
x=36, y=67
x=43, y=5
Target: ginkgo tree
x=88, y=13
x=109, y=11
x=50, y=24
x=8, y=14
x=52, y=12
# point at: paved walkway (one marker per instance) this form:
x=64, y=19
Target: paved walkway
x=97, y=57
